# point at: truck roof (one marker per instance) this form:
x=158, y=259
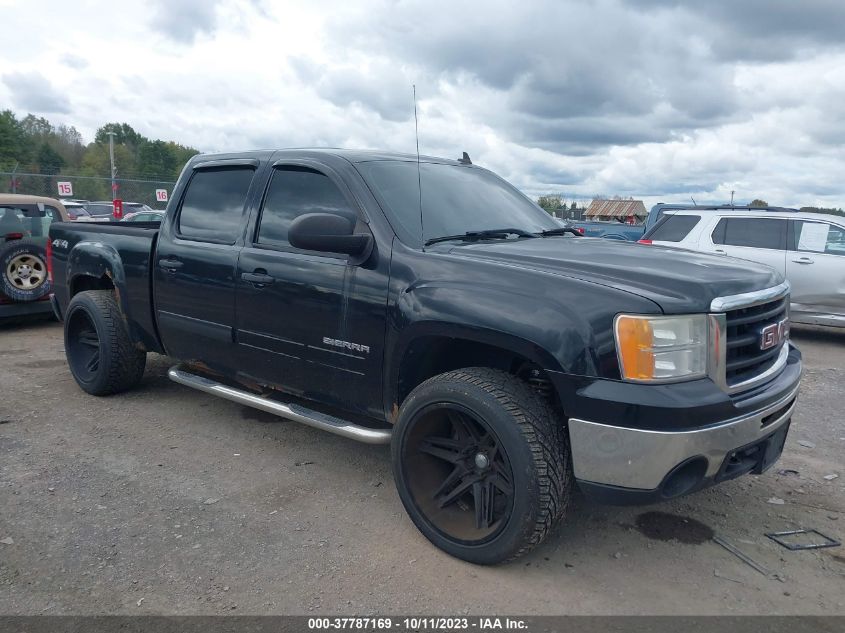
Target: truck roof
x=352, y=155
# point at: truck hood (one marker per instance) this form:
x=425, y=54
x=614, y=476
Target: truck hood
x=679, y=281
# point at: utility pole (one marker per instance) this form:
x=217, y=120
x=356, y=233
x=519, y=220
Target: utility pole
x=113, y=170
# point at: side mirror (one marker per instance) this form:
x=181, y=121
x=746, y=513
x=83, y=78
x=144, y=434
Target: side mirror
x=329, y=233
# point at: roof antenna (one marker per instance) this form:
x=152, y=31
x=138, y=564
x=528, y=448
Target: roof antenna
x=732, y=198
x=419, y=176
x=693, y=201
x=464, y=160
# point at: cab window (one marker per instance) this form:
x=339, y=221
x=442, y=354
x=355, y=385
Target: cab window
x=295, y=191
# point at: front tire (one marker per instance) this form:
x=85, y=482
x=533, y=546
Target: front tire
x=481, y=464
x=99, y=350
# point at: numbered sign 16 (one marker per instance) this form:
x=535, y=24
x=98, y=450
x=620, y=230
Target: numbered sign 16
x=65, y=189
x=161, y=195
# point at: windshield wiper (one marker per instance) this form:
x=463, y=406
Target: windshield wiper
x=481, y=235
x=561, y=231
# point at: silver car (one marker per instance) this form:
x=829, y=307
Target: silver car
x=807, y=248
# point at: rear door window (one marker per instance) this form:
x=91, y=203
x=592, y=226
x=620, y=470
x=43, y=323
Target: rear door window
x=818, y=237
x=751, y=232
x=213, y=206
x=673, y=228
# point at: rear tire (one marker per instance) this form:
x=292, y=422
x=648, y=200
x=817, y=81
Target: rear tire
x=481, y=464
x=99, y=350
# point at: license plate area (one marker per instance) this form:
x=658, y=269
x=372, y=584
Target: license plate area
x=756, y=457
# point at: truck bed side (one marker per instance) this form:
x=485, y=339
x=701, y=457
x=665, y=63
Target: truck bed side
x=90, y=256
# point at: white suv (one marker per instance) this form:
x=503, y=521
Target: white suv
x=807, y=248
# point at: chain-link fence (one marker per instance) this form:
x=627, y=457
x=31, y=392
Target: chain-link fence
x=87, y=187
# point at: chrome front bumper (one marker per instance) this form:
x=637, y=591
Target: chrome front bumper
x=641, y=459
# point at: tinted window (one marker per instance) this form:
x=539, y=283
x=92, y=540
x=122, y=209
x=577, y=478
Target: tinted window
x=29, y=220
x=145, y=217
x=819, y=237
x=673, y=228
x=295, y=191
x=753, y=232
x=213, y=206
x=77, y=210
x=99, y=209
x=12, y=220
x=50, y=215
x=455, y=199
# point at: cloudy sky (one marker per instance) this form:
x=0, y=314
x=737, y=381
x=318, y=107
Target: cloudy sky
x=653, y=99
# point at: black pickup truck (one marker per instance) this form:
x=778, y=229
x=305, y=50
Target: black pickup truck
x=432, y=306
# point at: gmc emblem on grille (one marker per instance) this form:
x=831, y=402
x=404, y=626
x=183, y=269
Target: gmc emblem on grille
x=774, y=334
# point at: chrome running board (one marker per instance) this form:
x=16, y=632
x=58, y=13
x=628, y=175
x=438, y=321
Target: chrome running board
x=291, y=411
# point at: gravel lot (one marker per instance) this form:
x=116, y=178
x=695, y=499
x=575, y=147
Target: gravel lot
x=166, y=500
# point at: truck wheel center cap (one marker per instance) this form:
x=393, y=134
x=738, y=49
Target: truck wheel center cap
x=481, y=461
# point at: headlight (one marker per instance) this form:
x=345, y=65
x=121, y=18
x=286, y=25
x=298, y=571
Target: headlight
x=661, y=348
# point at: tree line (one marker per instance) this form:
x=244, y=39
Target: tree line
x=33, y=145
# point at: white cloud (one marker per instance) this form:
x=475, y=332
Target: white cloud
x=658, y=100
x=33, y=91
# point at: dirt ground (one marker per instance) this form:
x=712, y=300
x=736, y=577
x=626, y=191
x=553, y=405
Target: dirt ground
x=165, y=500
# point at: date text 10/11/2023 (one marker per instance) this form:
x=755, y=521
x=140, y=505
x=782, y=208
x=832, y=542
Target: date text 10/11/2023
x=418, y=623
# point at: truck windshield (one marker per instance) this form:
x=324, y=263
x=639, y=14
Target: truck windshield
x=455, y=199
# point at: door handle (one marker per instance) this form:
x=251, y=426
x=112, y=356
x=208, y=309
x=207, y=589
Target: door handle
x=803, y=260
x=259, y=278
x=720, y=251
x=170, y=264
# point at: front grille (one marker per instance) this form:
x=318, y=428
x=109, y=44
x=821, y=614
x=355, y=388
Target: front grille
x=745, y=359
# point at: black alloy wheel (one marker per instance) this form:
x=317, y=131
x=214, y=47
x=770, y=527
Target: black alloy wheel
x=102, y=355
x=83, y=346
x=481, y=464
x=459, y=473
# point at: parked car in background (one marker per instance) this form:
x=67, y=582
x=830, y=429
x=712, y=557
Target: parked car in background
x=75, y=209
x=25, y=281
x=103, y=210
x=98, y=212
x=136, y=207
x=610, y=230
x=617, y=230
x=144, y=216
x=807, y=248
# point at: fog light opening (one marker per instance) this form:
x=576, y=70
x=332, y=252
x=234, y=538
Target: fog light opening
x=684, y=477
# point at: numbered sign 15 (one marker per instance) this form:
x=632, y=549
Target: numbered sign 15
x=65, y=189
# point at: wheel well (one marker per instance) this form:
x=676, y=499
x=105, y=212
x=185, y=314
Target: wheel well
x=89, y=282
x=429, y=356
